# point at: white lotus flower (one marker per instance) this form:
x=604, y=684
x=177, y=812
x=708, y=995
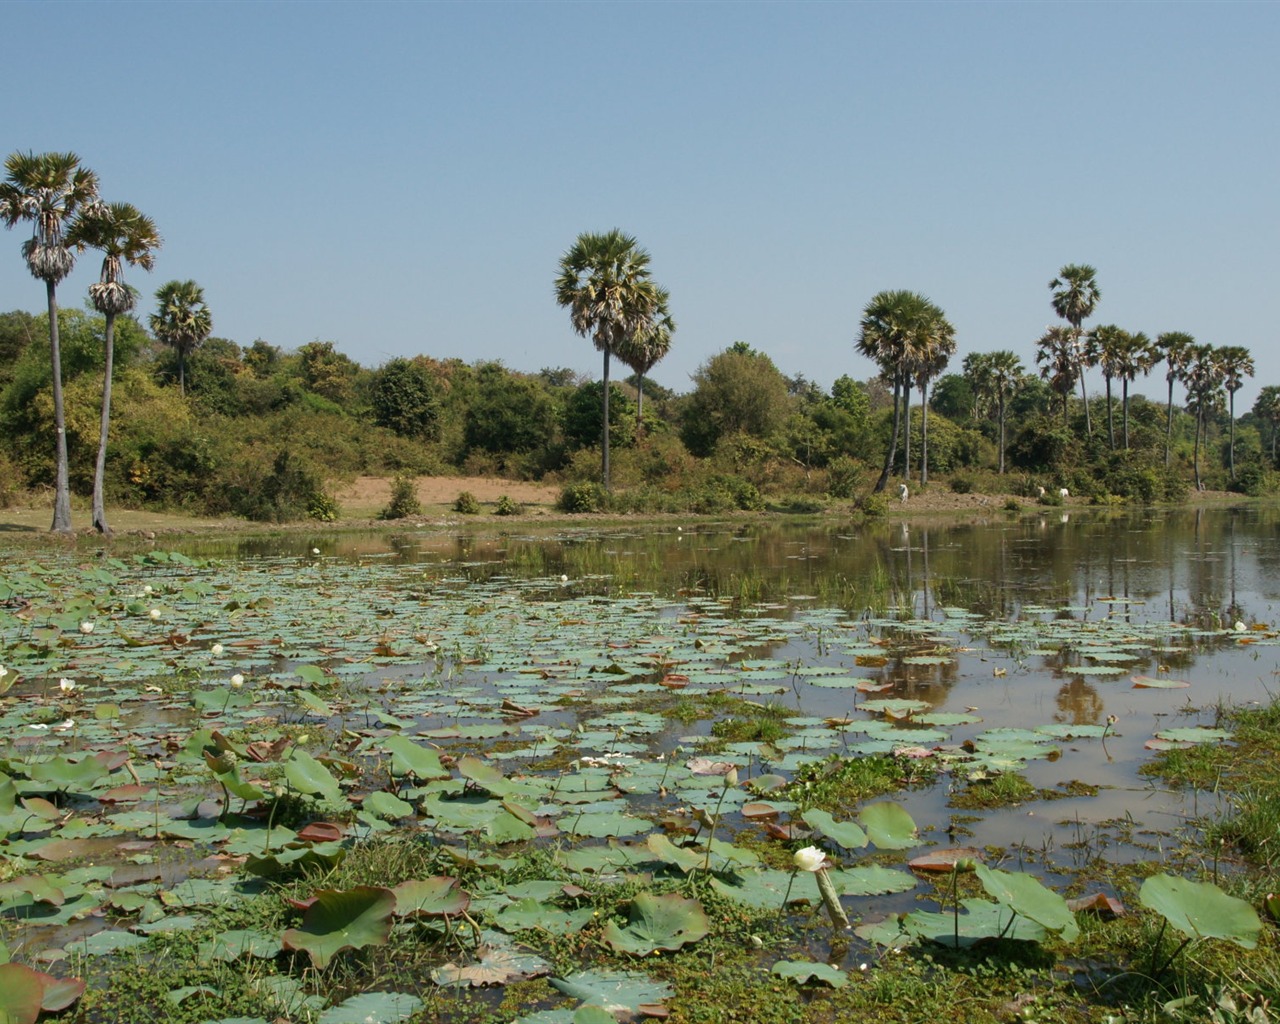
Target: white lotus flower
x=86, y=628
x=147, y=589
x=38, y=726
x=810, y=859
x=1240, y=626
x=315, y=551
x=216, y=650
x=66, y=685
x=69, y=723
x=155, y=614
x=3, y=671
x=237, y=681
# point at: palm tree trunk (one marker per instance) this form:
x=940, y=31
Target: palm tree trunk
x=182, y=374
x=1231, y=422
x=100, y=467
x=1168, y=428
x=1084, y=392
x=1195, y=458
x=62, y=484
x=604, y=420
x=906, y=431
x=924, y=434
x=1001, y=434
x=1111, y=423
x=639, y=405
x=893, y=441
x=1124, y=410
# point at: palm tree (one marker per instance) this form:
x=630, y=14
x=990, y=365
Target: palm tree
x=1005, y=375
x=1056, y=356
x=1133, y=354
x=604, y=283
x=48, y=189
x=1075, y=296
x=890, y=325
x=182, y=322
x=122, y=235
x=1267, y=408
x=1102, y=349
x=1237, y=364
x=643, y=351
x=937, y=347
x=1204, y=379
x=1176, y=348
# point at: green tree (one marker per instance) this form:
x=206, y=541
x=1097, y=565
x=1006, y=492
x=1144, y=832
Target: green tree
x=893, y=328
x=123, y=235
x=511, y=412
x=17, y=329
x=583, y=417
x=737, y=391
x=182, y=322
x=404, y=397
x=1236, y=364
x=604, y=283
x=1075, y=296
x=1131, y=355
x=1267, y=408
x=49, y=189
x=996, y=376
x=933, y=353
x=1204, y=379
x=643, y=350
x=327, y=372
x=1059, y=365
x=1176, y=348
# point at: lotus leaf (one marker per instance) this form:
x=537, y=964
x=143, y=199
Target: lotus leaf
x=439, y=896
x=846, y=833
x=1024, y=895
x=372, y=1008
x=888, y=826
x=497, y=965
x=616, y=991
x=309, y=776
x=343, y=919
x=1201, y=910
x=410, y=758
x=658, y=922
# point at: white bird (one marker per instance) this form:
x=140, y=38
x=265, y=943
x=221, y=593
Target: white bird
x=1064, y=493
x=903, y=493
x=1039, y=492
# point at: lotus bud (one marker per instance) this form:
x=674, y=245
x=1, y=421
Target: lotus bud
x=86, y=628
x=731, y=778
x=65, y=685
x=155, y=614
x=216, y=650
x=237, y=681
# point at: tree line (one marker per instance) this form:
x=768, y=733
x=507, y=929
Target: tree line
x=202, y=423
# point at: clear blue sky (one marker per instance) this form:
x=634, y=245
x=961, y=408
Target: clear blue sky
x=402, y=178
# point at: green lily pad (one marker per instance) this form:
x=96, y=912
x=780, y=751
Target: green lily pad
x=343, y=919
x=889, y=826
x=373, y=1008
x=1201, y=910
x=658, y=922
x=804, y=971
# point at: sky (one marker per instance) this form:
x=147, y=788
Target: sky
x=403, y=178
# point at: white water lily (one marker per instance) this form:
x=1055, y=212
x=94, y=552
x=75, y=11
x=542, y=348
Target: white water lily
x=68, y=724
x=237, y=680
x=315, y=551
x=155, y=614
x=66, y=685
x=86, y=628
x=1240, y=626
x=810, y=859
x=216, y=650
x=38, y=726
x=147, y=589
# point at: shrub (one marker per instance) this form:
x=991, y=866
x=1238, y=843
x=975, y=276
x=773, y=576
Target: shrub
x=323, y=507
x=961, y=484
x=466, y=504
x=284, y=493
x=584, y=496
x=507, y=507
x=1012, y=505
x=873, y=505
x=843, y=476
x=404, y=500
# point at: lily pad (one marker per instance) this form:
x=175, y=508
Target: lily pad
x=658, y=922
x=803, y=971
x=343, y=919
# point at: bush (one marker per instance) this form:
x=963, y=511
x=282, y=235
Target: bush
x=585, y=496
x=843, y=476
x=961, y=485
x=404, y=500
x=323, y=507
x=507, y=507
x=466, y=504
x=1012, y=505
x=282, y=494
x=873, y=506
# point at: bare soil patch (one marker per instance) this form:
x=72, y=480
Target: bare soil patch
x=365, y=496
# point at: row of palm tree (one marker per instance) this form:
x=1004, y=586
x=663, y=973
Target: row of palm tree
x=60, y=198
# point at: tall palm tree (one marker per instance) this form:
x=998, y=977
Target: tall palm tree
x=891, y=323
x=936, y=348
x=182, y=322
x=1176, y=348
x=1132, y=355
x=1204, y=379
x=48, y=189
x=1005, y=374
x=1267, y=408
x=1056, y=356
x=122, y=235
x=1237, y=364
x=644, y=350
x=1103, y=349
x=604, y=283
x=1075, y=296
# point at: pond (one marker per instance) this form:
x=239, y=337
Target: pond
x=587, y=690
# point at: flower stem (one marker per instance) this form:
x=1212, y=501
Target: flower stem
x=831, y=900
